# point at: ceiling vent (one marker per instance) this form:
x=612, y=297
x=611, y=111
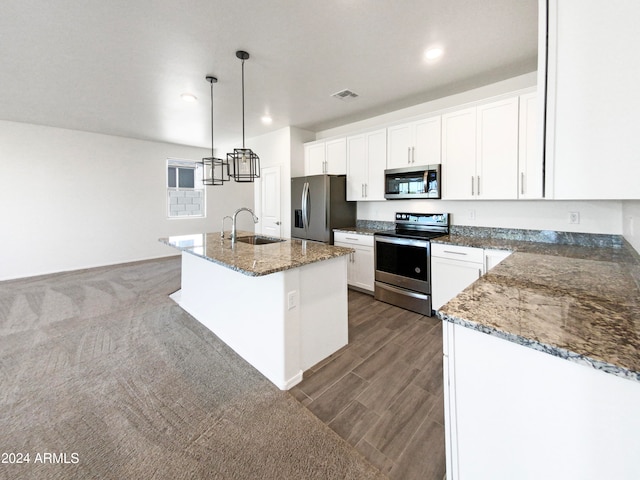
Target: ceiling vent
x=345, y=95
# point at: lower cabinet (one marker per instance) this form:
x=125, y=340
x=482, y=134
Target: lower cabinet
x=454, y=268
x=512, y=412
x=360, y=267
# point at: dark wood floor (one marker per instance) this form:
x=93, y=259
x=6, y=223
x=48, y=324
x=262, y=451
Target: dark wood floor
x=383, y=392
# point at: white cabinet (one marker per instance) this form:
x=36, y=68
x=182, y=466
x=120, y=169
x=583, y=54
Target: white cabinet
x=497, y=142
x=326, y=156
x=415, y=143
x=530, y=160
x=459, y=154
x=480, y=152
x=360, y=269
x=453, y=268
x=512, y=412
x=592, y=142
x=366, y=162
x=494, y=257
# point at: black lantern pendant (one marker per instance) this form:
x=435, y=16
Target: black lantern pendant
x=216, y=170
x=243, y=163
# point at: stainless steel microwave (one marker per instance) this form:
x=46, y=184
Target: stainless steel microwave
x=412, y=182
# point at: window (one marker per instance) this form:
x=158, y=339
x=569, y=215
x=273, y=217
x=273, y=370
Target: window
x=185, y=191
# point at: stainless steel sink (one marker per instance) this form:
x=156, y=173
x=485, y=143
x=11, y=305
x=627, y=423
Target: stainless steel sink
x=259, y=240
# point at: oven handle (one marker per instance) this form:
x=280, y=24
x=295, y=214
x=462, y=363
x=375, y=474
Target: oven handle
x=403, y=241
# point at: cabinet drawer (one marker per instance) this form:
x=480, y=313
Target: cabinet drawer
x=353, y=238
x=456, y=252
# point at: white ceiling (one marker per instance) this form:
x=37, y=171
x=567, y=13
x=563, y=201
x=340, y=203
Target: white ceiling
x=119, y=66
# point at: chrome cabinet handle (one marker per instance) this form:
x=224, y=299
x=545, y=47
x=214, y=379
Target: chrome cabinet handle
x=521, y=183
x=472, y=190
x=277, y=223
x=478, y=184
x=413, y=154
x=366, y=188
x=455, y=253
x=362, y=190
x=408, y=154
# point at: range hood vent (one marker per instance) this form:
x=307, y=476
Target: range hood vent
x=345, y=95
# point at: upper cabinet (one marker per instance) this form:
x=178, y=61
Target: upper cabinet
x=592, y=142
x=480, y=151
x=459, y=154
x=326, y=156
x=366, y=162
x=414, y=143
x=530, y=163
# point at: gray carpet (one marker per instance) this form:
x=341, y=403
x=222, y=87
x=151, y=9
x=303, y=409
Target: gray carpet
x=102, y=366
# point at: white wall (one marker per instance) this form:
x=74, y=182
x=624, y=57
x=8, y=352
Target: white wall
x=631, y=222
x=284, y=147
x=595, y=216
x=72, y=199
x=477, y=94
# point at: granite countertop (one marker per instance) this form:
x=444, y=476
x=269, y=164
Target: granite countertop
x=254, y=260
x=581, y=303
x=356, y=230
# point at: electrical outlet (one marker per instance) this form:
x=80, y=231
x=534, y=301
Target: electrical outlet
x=574, y=217
x=472, y=214
x=291, y=300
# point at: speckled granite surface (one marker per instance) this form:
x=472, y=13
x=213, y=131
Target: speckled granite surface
x=576, y=302
x=367, y=227
x=254, y=260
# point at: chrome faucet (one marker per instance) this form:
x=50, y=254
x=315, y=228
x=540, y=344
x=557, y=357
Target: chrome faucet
x=233, y=224
x=222, y=228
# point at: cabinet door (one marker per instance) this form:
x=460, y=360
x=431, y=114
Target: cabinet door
x=593, y=100
x=363, y=268
x=530, y=165
x=336, y=156
x=497, y=150
x=350, y=261
x=399, y=143
x=494, y=257
x=450, y=277
x=427, y=143
x=459, y=154
x=314, y=157
x=376, y=164
x=356, y=167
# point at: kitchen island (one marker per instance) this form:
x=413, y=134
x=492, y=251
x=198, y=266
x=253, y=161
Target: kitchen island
x=281, y=306
x=542, y=364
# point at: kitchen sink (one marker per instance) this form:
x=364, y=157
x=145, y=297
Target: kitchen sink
x=259, y=240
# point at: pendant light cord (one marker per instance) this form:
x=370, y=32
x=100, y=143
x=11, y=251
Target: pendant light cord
x=212, y=155
x=243, y=104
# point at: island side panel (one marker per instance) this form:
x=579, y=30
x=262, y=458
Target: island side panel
x=248, y=313
x=323, y=309
x=520, y=413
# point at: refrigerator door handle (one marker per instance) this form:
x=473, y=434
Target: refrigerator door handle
x=305, y=209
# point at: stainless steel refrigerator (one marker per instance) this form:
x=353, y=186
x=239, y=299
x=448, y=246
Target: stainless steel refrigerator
x=318, y=205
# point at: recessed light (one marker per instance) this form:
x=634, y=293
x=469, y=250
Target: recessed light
x=266, y=119
x=433, y=53
x=188, y=97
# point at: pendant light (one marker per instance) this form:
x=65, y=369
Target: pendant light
x=215, y=169
x=243, y=162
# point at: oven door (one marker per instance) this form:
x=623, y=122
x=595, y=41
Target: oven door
x=403, y=262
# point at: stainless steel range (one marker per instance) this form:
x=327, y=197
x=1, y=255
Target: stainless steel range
x=403, y=260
